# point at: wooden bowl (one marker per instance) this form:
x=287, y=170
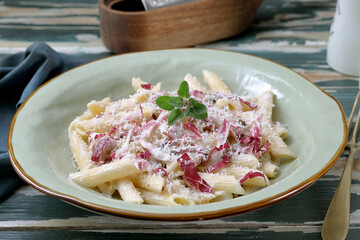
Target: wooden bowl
x=126, y=26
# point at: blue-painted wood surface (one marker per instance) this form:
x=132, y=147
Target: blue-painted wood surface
x=291, y=32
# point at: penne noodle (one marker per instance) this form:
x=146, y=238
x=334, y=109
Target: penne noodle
x=278, y=148
x=194, y=83
x=226, y=183
x=80, y=151
x=246, y=160
x=270, y=169
x=150, y=182
x=181, y=199
x=108, y=172
x=231, y=104
x=127, y=191
x=265, y=101
x=215, y=83
x=163, y=198
x=107, y=188
x=259, y=181
x=280, y=130
x=221, y=196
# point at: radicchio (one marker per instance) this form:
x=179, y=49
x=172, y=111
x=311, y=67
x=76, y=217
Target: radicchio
x=264, y=148
x=95, y=135
x=144, y=155
x=191, y=175
x=113, y=130
x=252, y=141
x=221, y=147
x=251, y=105
x=168, y=135
x=224, y=132
x=162, y=117
x=146, y=86
x=102, y=149
x=161, y=171
x=192, y=128
x=142, y=113
x=225, y=161
x=198, y=94
x=148, y=128
x=253, y=175
x=141, y=160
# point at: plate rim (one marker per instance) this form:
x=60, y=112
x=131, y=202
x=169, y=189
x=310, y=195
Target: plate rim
x=224, y=212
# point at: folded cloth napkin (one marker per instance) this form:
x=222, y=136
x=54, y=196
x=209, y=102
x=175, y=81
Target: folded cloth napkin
x=20, y=75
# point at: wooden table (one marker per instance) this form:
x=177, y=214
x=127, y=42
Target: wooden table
x=291, y=32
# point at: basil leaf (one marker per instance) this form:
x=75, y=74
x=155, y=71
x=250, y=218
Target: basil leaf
x=163, y=102
x=188, y=111
x=175, y=115
x=196, y=110
x=192, y=101
x=184, y=90
x=198, y=115
x=199, y=107
x=176, y=101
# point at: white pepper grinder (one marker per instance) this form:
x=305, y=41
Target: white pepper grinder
x=343, y=53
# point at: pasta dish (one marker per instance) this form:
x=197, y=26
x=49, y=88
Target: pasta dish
x=185, y=147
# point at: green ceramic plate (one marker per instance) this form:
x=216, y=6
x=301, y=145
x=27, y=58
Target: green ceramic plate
x=39, y=147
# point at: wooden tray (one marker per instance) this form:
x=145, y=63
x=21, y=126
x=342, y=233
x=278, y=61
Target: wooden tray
x=126, y=26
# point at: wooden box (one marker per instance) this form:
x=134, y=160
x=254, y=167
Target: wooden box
x=126, y=26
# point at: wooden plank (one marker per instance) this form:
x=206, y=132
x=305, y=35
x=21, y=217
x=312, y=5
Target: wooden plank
x=315, y=200
x=48, y=21
x=89, y=235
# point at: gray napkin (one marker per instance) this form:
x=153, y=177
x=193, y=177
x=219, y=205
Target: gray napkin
x=20, y=75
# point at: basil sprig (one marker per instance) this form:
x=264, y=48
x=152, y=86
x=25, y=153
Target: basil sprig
x=193, y=108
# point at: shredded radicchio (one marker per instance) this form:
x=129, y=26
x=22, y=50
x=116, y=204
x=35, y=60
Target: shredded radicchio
x=192, y=128
x=146, y=86
x=253, y=175
x=102, y=148
x=148, y=128
x=142, y=113
x=226, y=160
x=142, y=162
x=224, y=132
x=251, y=105
x=191, y=175
x=264, y=148
x=221, y=147
x=198, y=94
x=252, y=141
x=161, y=171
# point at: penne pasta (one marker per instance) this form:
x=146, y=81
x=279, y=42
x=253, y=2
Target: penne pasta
x=230, y=104
x=226, y=183
x=265, y=102
x=215, y=83
x=127, y=191
x=246, y=160
x=221, y=196
x=278, y=148
x=107, y=188
x=150, y=182
x=258, y=181
x=80, y=151
x=280, y=130
x=194, y=83
x=108, y=172
x=163, y=198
